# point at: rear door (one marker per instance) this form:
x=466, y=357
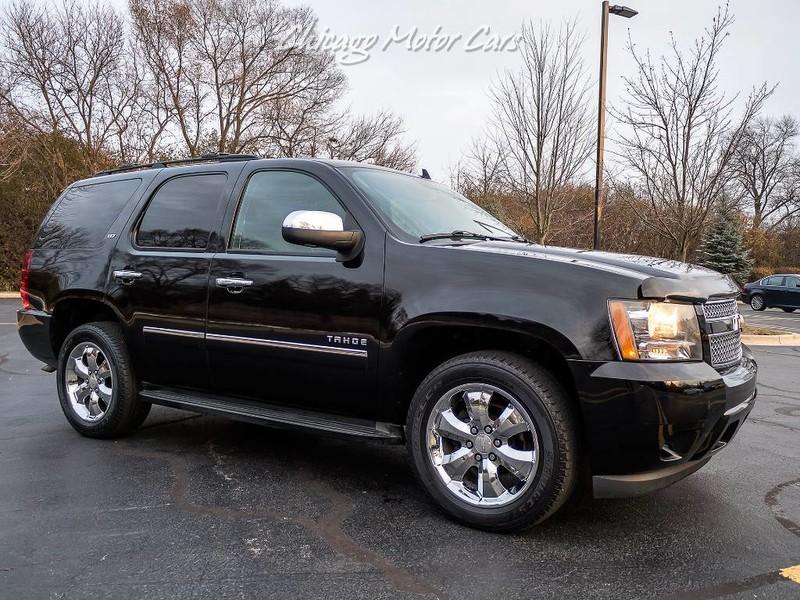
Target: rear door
x=159, y=272
x=303, y=330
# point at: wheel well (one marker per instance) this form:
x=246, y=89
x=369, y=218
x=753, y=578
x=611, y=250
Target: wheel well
x=69, y=314
x=433, y=346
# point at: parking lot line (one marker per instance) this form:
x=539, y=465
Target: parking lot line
x=792, y=573
x=744, y=585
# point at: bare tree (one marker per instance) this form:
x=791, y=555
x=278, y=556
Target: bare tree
x=65, y=72
x=481, y=176
x=543, y=121
x=300, y=127
x=230, y=65
x=679, y=135
x=768, y=171
x=164, y=35
x=374, y=139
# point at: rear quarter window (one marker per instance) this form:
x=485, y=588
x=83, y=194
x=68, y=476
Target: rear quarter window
x=85, y=213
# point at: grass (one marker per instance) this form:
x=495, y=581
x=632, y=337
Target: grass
x=760, y=330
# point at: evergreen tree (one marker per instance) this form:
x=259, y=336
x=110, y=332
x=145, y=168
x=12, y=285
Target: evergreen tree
x=723, y=247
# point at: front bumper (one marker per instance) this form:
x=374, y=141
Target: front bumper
x=648, y=425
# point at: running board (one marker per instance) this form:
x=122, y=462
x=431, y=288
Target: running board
x=272, y=415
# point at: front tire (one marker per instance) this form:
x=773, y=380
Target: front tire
x=757, y=302
x=97, y=387
x=493, y=438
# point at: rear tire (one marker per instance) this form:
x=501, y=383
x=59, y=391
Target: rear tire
x=788, y=310
x=757, y=302
x=96, y=383
x=534, y=404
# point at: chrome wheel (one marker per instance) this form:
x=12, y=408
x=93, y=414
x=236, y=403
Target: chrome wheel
x=483, y=445
x=756, y=303
x=89, y=381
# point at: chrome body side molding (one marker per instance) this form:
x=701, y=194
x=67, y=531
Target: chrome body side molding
x=287, y=345
x=235, y=339
x=187, y=333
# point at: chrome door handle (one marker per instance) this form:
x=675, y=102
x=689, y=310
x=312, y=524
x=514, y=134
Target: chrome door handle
x=127, y=277
x=234, y=285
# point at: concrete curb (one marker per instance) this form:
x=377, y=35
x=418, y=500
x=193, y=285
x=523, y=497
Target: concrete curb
x=788, y=339
x=9, y=294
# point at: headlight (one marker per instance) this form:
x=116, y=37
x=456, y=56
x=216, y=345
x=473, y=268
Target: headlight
x=647, y=330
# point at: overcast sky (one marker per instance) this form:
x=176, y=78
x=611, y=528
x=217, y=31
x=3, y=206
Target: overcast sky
x=443, y=95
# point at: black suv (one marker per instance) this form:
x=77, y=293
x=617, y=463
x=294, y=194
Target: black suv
x=778, y=291
x=356, y=300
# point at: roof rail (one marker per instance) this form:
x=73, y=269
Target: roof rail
x=210, y=157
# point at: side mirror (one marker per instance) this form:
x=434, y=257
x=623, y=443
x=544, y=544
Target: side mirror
x=322, y=230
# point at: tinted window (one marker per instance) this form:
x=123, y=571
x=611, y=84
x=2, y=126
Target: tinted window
x=270, y=196
x=182, y=213
x=774, y=281
x=793, y=282
x=83, y=216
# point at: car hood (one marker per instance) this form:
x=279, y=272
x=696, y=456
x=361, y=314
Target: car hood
x=660, y=278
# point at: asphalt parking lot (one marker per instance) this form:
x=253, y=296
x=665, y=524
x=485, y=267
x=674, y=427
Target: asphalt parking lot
x=201, y=507
x=772, y=317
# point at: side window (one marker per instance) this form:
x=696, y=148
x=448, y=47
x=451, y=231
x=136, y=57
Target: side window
x=83, y=216
x=269, y=197
x=182, y=213
x=774, y=281
x=793, y=282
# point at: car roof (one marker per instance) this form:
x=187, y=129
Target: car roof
x=180, y=165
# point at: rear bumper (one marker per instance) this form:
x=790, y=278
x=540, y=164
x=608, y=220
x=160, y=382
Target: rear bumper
x=647, y=425
x=33, y=327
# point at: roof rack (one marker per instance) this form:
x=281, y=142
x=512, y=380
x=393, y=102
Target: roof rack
x=210, y=157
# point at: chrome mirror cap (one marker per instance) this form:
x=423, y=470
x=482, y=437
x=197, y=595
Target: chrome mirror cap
x=320, y=229
x=314, y=220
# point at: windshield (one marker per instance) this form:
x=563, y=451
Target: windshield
x=419, y=207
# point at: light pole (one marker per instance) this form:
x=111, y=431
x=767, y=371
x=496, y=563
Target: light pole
x=622, y=11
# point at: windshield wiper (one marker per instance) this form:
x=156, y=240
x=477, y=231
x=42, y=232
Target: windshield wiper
x=461, y=235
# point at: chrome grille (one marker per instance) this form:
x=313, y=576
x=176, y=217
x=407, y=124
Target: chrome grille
x=721, y=309
x=726, y=348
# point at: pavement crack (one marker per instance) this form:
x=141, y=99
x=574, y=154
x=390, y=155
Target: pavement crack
x=329, y=527
x=773, y=423
x=776, y=388
x=731, y=587
x=772, y=499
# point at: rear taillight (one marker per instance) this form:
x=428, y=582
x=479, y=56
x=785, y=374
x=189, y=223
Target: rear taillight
x=24, y=280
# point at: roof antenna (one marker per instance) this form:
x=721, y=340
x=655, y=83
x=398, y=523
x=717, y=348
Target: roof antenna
x=425, y=174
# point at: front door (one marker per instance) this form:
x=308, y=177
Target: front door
x=288, y=324
x=159, y=276
x=774, y=289
x=791, y=293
